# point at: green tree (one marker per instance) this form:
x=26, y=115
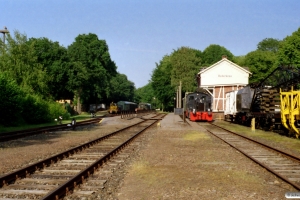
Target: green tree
x=54, y=60
x=289, y=50
x=90, y=68
x=240, y=60
x=269, y=44
x=213, y=53
x=121, y=88
x=164, y=92
x=185, y=64
x=260, y=63
x=19, y=61
x=144, y=94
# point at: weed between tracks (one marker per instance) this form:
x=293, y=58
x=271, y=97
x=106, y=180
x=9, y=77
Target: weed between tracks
x=195, y=135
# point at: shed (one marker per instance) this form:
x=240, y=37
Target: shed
x=220, y=78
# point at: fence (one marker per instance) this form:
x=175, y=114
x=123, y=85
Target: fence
x=138, y=113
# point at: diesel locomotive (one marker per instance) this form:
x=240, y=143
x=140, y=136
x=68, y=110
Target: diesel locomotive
x=198, y=107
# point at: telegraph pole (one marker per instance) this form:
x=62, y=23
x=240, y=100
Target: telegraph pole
x=4, y=32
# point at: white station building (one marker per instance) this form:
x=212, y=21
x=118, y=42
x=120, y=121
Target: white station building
x=220, y=78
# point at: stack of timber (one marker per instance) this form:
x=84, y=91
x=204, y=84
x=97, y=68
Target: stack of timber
x=270, y=101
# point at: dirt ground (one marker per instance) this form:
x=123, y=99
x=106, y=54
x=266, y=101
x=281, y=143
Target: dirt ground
x=186, y=162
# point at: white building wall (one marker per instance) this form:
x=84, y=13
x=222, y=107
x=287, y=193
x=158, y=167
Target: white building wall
x=224, y=74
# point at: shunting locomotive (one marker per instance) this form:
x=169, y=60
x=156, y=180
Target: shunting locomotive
x=113, y=108
x=198, y=107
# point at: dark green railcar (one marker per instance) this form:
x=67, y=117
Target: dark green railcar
x=144, y=106
x=126, y=106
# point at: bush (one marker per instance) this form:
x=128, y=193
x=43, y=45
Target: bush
x=17, y=107
x=56, y=110
x=35, y=110
x=10, y=96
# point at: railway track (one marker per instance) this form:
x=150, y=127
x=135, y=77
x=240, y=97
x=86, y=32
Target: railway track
x=282, y=164
x=4, y=137
x=60, y=175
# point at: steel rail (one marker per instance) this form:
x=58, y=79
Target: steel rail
x=4, y=137
x=65, y=189
x=26, y=171
x=257, y=161
x=265, y=145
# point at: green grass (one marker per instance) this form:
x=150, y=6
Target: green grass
x=78, y=118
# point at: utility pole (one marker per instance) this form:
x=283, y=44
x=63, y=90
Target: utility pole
x=177, y=98
x=180, y=95
x=4, y=32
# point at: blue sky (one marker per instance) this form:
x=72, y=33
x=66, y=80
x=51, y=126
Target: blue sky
x=140, y=32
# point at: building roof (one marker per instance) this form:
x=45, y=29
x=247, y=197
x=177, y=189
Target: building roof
x=224, y=59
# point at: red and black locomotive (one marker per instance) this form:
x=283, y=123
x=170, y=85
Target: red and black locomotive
x=198, y=107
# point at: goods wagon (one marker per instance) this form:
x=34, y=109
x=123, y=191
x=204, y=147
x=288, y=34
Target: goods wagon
x=230, y=106
x=144, y=106
x=126, y=106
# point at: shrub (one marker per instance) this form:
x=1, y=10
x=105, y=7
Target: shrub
x=17, y=107
x=56, y=110
x=10, y=96
x=35, y=110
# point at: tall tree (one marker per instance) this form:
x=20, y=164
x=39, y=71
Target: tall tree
x=164, y=92
x=90, y=68
x=185, y=64
x=54, y=60
x=289, y=50
x=213, y=53
x=19, y=61
x=121, y=88
x=269, y=44
x=240, y=60
x=260, y=63
x=144, y=94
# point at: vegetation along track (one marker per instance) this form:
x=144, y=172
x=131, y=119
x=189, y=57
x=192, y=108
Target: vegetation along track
x=4, y=137
x=59, y=175
x=282, y=164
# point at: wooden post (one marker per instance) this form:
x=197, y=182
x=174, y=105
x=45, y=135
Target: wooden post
x=253, y=124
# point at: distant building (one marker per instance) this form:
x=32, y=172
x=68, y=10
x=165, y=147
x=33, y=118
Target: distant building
x=65, y=101
x=222, y=77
